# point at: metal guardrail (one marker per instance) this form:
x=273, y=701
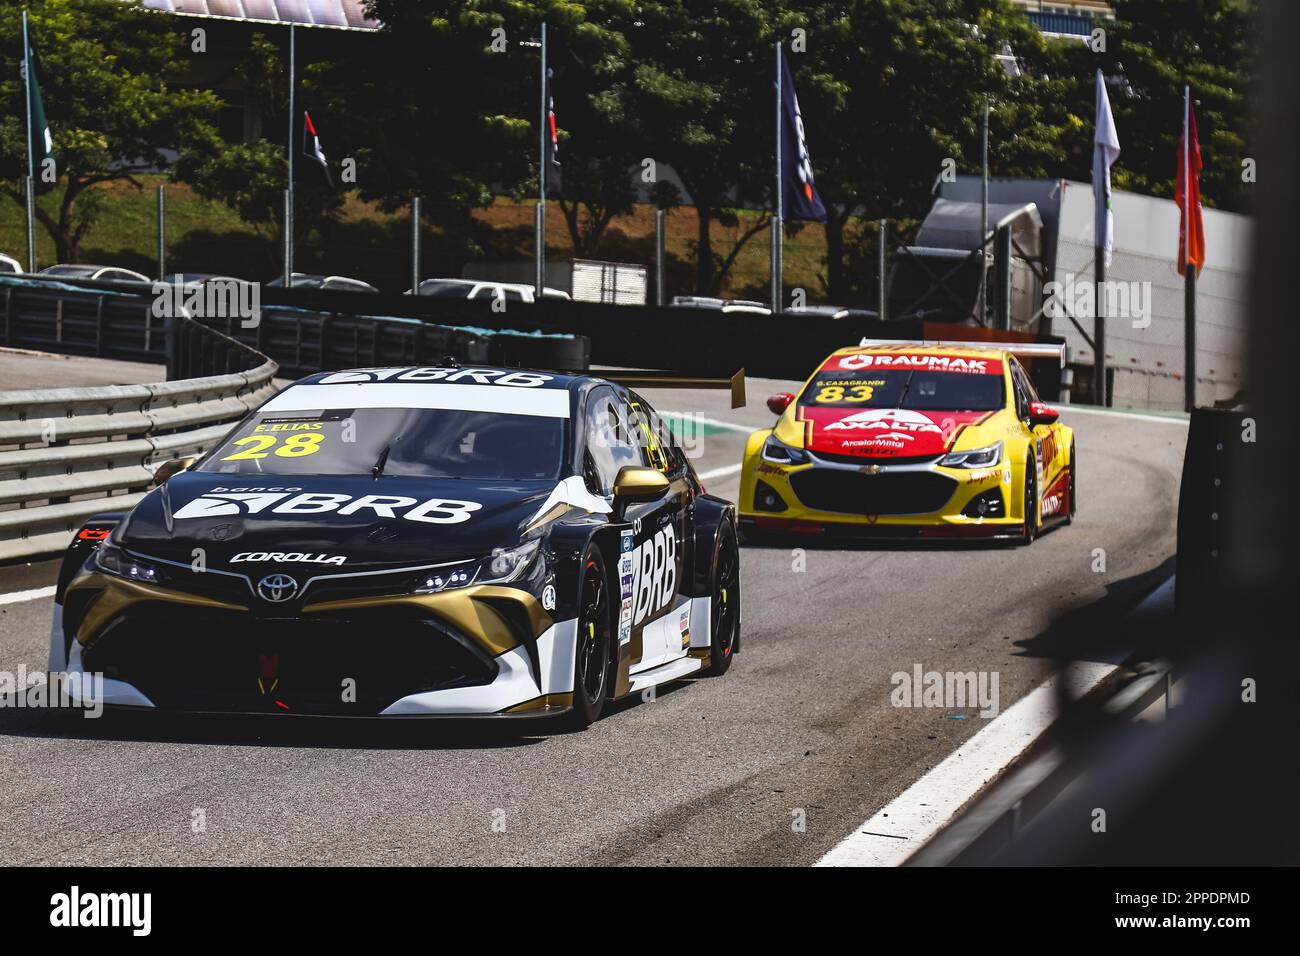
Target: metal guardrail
x=69, y=453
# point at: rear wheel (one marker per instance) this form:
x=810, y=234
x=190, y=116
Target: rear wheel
x=1032, y=511
x=724, y=618
x=591, y=671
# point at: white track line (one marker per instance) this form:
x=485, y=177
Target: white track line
x=1111, y=413
x=715, y=422
x=913, y=818
x=17, y=597
x=719, y=472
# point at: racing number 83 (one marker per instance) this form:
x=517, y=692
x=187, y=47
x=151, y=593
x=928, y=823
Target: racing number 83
x=295, y=446
x=835, y=393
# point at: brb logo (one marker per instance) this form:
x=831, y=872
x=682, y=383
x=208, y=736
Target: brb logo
x=221, y=502
x=655, y=568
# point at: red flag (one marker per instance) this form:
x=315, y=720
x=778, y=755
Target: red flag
x=1191, y=230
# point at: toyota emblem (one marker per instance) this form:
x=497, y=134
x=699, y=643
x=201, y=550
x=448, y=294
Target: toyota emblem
x=277, y=588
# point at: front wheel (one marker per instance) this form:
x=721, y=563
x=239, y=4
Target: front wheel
x=591, y=669
x=1032, y=510
x=724, y=618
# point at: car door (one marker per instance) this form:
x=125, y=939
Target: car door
x=660, y=607
x=1047, y=449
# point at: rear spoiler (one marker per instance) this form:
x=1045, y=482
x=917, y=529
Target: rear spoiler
x=652, y=379
x=1029, y=350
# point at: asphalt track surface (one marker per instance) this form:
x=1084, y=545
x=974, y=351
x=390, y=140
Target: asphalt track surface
x=712, y=771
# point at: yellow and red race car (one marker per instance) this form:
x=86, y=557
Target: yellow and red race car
x=908, y=440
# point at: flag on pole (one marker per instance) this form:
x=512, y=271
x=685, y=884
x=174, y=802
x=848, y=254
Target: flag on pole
x=40, y=142
x=799, y=192
x=311, y=146
x=1105, y=150
x=553, y=178
x=1191, y=230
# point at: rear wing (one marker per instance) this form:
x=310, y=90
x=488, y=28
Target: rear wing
x=652, y=379
x=1028, y=350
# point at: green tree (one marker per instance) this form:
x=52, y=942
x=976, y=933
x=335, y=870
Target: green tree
x=105, y=72
x=1157, y=46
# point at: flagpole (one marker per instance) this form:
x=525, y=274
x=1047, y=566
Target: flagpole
x=777, y=230
x=288, y=193
x=1189, y=268
x=31, y=160
x=984, y=216
x=1098, y=271
x=543, y=131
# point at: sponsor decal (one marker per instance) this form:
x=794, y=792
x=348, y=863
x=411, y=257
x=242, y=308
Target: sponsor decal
x=277, y=588
x=764, y=468
x=979, y=477
x=627, y=582
x=548, y=597
x=941, y=363
x=93, y=534
x=684, y=625
x=894, y=425
x=222, y=502
x=476, y=376
x=286, y=557
x=655, y=564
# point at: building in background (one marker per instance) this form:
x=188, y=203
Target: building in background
x=1067, y=18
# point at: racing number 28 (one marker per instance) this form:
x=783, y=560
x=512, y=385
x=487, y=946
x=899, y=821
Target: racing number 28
x=295, y=446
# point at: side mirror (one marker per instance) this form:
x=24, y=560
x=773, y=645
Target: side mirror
x=1040, y=413
x=635, y=483
x=779, y=402
x=172, y=467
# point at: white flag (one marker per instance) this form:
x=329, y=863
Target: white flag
x=1105, y=150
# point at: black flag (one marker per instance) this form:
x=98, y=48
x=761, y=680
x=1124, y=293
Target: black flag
x=311, y=146
x=800, y=195
x=552, y=143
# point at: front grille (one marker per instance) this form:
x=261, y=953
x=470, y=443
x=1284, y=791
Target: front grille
x=877, y=459
x=202, y=660
x=851, y=492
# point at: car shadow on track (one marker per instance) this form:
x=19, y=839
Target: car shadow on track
x=1105, y=628
x=276, y=731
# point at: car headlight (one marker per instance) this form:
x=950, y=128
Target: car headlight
x=782, y=454
x=502, y=566
x=974, y=458
x=113, y=560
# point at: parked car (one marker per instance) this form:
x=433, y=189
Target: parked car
x=87, y=271
x=302, y=280
x=477, y=289
x=9, y=264
x=748, y=306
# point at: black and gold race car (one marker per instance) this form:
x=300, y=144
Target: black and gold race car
x=411, y=542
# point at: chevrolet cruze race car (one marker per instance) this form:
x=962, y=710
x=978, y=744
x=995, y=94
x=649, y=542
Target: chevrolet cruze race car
x=409, y=543
x=911, y=440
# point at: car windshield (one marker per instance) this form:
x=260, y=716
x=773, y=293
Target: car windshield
x=922, y=390
x=412, y=442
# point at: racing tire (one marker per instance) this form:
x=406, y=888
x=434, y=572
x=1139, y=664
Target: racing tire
x=1032, y=508
x=1069, y=515
x=592, y=659
x=724, y=616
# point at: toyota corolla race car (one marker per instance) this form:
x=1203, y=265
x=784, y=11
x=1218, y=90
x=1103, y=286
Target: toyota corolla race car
x=912, y=440
x=409, y=543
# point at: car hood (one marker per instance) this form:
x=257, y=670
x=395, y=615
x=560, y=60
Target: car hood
x=329, y=523
x=884, y=432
